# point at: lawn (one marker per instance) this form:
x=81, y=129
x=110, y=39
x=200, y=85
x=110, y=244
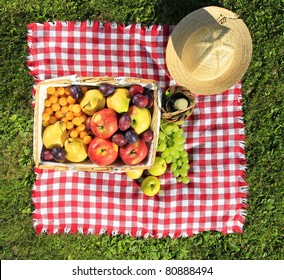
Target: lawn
x=263, y=107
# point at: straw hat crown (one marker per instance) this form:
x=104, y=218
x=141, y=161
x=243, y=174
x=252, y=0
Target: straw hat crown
x=209, y=50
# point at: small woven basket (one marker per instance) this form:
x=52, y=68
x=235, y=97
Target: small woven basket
x=179, y=115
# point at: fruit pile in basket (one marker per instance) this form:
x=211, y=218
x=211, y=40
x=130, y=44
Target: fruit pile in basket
x=104, y=124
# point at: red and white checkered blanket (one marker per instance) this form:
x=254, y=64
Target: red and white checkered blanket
x=67, y=201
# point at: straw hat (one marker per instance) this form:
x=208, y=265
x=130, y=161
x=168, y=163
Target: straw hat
x=209, y=50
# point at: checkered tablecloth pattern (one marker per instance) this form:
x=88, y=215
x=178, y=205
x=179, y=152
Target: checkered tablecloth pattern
x=67, y=201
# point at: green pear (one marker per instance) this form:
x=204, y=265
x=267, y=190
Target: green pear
x=119, y=100
x=76, y=150
x=54, y=135
x=92, y=101
x=141, y=118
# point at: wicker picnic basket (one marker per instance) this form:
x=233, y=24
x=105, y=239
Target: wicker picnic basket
x=178, y=115
x=87, y=165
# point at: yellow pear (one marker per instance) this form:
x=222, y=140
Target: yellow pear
x=141, y=118
x=119, y=100
x=76, y=150
x=54, y=135
x=92, y=101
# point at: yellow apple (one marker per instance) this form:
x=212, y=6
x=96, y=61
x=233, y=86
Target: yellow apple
x=159, y=167
x=141, y=118
x=134, y=174
x=150, y=186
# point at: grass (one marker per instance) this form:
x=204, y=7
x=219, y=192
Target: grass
x=263, y=107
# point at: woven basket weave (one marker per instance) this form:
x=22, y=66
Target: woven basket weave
x=179, y=115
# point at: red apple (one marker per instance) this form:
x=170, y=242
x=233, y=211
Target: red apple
x=133, y=153
x=102, y=151
x=104, y=123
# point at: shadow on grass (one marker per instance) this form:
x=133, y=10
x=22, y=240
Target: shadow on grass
x=171, y=12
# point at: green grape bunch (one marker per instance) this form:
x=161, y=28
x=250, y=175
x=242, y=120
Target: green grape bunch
x=171, y=146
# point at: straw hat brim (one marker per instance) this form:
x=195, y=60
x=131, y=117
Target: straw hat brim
x=209, y=50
